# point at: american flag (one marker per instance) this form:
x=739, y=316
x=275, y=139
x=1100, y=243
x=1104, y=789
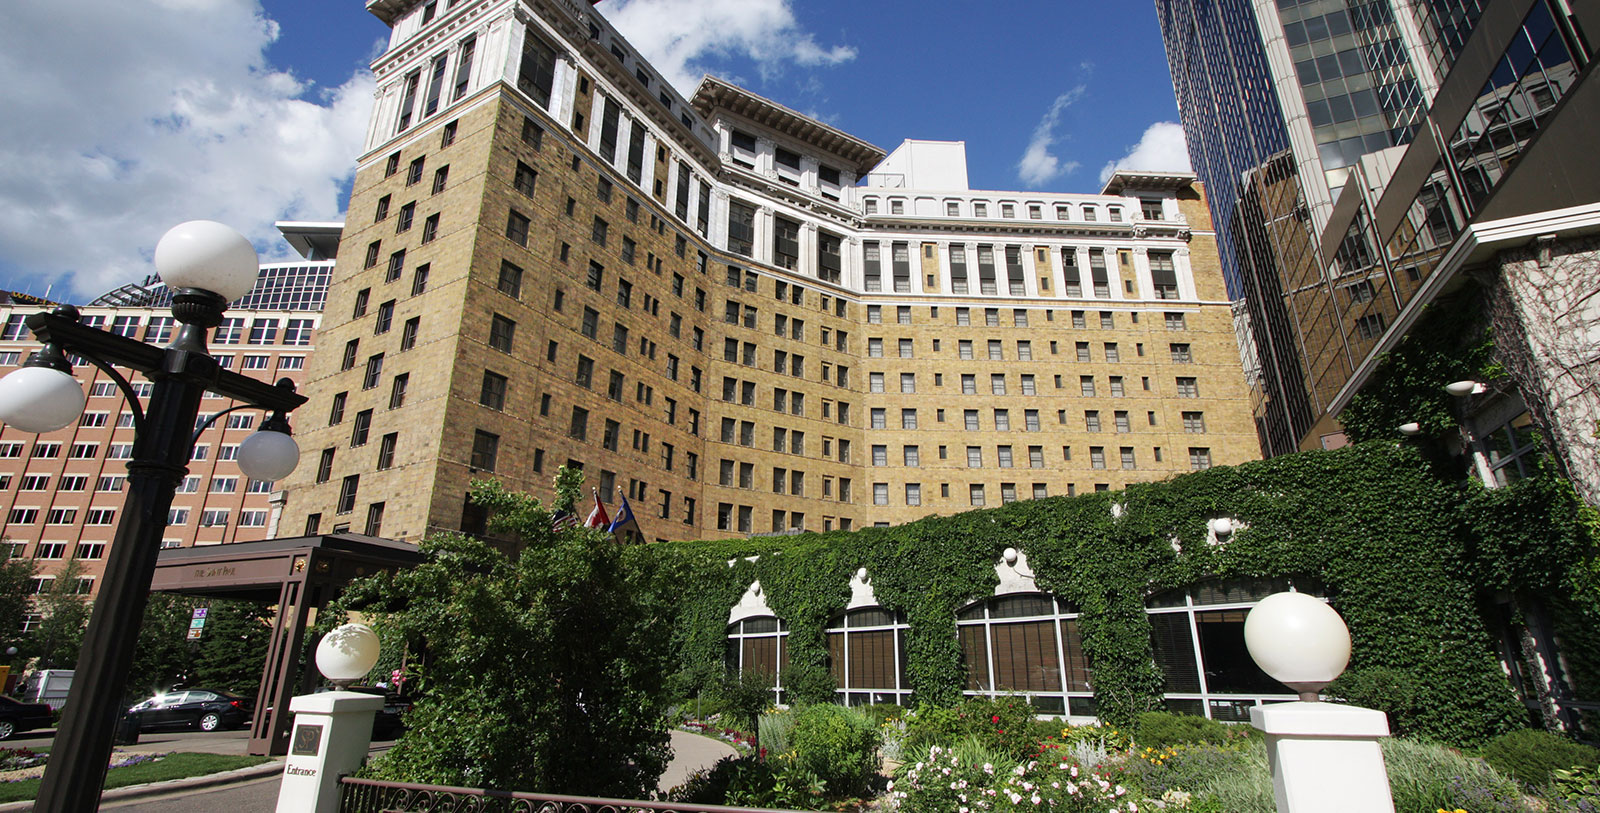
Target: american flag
x=563, y=519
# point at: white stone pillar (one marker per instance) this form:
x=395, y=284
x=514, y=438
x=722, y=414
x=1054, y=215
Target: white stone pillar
x=1325, y=757
x=332, y=732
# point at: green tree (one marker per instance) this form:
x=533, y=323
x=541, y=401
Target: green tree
x=164, y=657
x=16, y=591
x=64, y=610
x=233, y=647
x=544, y=665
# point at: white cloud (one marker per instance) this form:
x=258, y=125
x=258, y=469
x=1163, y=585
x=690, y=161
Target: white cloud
x=1038, y=165
x=123, y=119
x=677, y=36
x=1161, y=148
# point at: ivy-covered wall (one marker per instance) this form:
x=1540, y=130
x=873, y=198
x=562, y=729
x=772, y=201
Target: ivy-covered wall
x=1406, y=558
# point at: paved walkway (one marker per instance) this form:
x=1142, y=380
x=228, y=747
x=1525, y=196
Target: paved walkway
x=690, y=753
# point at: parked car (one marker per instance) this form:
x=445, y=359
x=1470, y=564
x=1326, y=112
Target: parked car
x=389, y=722
x=204, y=709
x=16, y=716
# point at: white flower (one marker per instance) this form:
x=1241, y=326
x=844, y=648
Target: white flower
x=988, y=768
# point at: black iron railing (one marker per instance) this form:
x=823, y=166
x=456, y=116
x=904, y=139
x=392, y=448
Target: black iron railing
x=370, y=796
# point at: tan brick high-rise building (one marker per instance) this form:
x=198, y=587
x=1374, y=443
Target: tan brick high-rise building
x=740, y=317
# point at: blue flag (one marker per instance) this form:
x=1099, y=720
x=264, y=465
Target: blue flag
x=624, y=517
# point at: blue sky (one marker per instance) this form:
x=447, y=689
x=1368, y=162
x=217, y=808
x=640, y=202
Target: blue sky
x=249, y=112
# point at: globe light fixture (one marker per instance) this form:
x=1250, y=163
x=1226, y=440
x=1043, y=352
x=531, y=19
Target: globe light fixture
x=208, y=256
x=347, y=654
x=1299, y=640
x=1409, y=429
x=207, y=265
x=270, y=453
x=1461, y=389
x=40, y=399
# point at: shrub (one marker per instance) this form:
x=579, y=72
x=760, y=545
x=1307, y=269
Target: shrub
x=747, y=780
x=1159, y=729
x=944, y=779
x=1390, y=691
x=775, y=726
x=1575, y=790
x=1424, y=778
x=881, y=713
x=1189, y=766
x=1005, y=724
x=838, y=745
x=1062, y=786
x=1530, y=756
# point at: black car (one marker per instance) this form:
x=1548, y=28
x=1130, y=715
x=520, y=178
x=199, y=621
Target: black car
x=204, y=709
x=16, y=716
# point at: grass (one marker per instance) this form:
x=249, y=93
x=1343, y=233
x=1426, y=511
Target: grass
x=170, y=767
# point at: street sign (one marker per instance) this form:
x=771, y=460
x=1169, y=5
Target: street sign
x=197, y=623
x=194, y=634
x=199, y=612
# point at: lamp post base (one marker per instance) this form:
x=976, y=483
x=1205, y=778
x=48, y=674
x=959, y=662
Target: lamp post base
x=332, y=732
x=1325, y=757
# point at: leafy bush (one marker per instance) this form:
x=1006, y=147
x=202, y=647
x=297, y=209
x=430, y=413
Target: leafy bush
x=1062, y=786
x=883, y=712
x=1160, y=729
x=1575, y=790
x=742, y=699
x=943, y=780
x=1390, y=691
x=581, y=707
x=1189, y=766
x=1005, y=724
x=1531, y=756
x=748, y=780
x=838, y=745
x=1424, y=778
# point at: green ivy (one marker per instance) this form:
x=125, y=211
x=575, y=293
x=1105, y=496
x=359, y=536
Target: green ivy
x=1404, y=555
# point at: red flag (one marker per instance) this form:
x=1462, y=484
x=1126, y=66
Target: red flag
x=597, y=517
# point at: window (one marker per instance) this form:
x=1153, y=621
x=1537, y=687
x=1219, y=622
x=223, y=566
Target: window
x=419, y=279
x=397, y=391
x=974, y=457
x=1086, y=385
x=1175, y=321
x=1194, y=422
x=975, y=495
x=1199, y=458
x=1091, y=420
x=524, y=181
x=501, y=333
x=408, y=333
x=492, y=393
x=997, y=383
x=485, y=450
x=374, y=371
x=360, y=427
x=414, y=172
x=430, y=230
x=1188, y=388
x=347, y=494
x=380, y=326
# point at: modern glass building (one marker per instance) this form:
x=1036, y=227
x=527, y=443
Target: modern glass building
x=1362, y=157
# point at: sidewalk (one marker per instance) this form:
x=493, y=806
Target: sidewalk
x=690, y=753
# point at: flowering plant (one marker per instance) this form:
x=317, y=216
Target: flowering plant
x=1063, y=786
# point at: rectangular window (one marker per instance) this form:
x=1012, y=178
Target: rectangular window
x=502, y=332
x=741, y=228
x=517, y=228
x=485, y=450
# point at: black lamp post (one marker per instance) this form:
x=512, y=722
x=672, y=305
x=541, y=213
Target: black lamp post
x=207, y=265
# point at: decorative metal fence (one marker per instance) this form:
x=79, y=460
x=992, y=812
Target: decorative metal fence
x=369, y=796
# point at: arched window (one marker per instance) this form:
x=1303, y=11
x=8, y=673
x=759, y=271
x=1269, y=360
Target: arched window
x=1197, y=636
x=758, y=650
x=867, y=655
x=1028, y=644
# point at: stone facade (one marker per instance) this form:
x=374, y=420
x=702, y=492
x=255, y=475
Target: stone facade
x=678, y=296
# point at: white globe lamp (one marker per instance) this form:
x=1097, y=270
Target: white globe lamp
x=1463, y=388
x=1299, y=640
x=40, y=399
x=268, y=455
x=207, y=255
x=1410, y=429
x=347, y=654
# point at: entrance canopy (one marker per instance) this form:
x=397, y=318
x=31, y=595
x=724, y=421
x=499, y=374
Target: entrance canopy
x=297, y=574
